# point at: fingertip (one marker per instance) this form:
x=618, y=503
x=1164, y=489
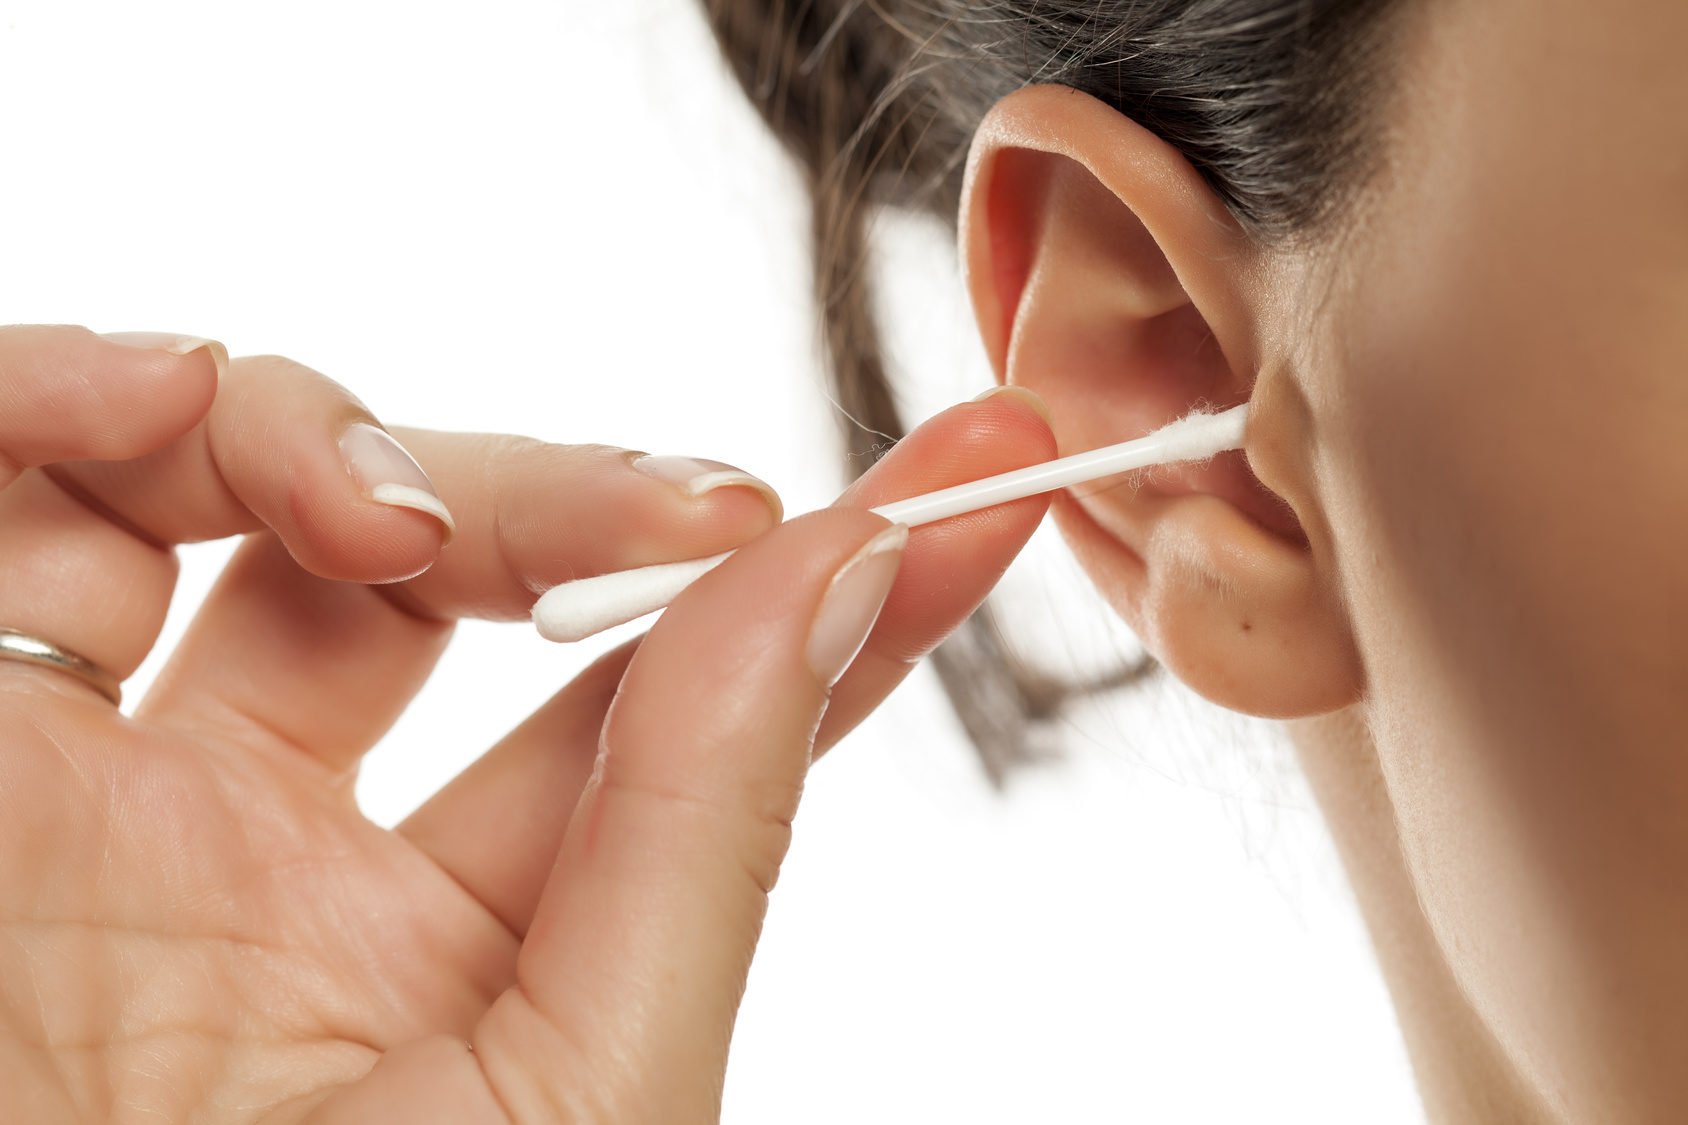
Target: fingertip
x=213, y=349
x=163, y=378
x=742, y=510
x=403, y=540
x=743, y=486
x=418, y=500
x=348, y=537
x=191, y=366
x=1003, y=429
x=1022, y=395
x=353, y=505
x=73, y=395
x=376, y=517
x=1022, y=417
x=952, y=564
x=726, y=485
x=388, y=474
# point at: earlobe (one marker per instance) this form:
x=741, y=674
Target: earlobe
x=1108, y=278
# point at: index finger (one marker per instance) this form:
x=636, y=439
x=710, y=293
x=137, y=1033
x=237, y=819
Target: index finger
x=632, y=969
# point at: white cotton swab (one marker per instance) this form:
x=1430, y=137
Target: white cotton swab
x=576, y=610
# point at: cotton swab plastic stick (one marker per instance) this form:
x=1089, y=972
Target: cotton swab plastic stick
x=576, y=610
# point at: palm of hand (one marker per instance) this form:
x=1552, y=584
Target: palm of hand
x=203, y=923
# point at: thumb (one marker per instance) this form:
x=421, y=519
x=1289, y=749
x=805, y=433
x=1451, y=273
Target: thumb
x=634, y=966
x=630, y=976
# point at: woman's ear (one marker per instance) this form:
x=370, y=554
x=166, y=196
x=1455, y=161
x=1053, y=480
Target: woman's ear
x=1107, y=277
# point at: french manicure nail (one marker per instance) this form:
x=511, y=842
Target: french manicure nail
x=388, y=474
x=173, y=343
x=852, y=603
x=699, y=476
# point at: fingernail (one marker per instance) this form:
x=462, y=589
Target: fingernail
x=173, y=343
x=852, y=604
x=388, y=474
x=1030, y=397
x=698, y=476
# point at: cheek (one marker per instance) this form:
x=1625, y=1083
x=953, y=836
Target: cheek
x=1514, y=489
x=1502, y=457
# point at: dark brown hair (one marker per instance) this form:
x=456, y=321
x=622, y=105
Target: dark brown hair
x=1272, y=101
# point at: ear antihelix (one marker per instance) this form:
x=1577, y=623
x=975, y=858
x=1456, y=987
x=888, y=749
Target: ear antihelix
x=1013, y=200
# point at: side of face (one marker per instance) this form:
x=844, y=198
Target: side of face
x=1465, y=495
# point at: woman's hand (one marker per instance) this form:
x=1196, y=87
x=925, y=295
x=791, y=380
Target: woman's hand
x=196, y=922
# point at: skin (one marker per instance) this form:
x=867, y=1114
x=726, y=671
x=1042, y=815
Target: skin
x=1470, y=413
x=196, y=923
x=1451, y=555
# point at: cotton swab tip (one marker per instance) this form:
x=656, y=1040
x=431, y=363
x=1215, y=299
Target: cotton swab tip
x=576, y=610
x=1196, y=437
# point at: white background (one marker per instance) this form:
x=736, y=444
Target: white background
x=560, y=218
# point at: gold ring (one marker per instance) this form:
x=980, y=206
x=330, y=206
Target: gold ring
x=33, y=650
